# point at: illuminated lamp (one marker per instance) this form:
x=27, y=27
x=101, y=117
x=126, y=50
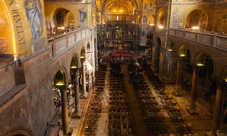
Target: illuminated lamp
x=200, y=64
x=195, y=27
x=160, y=27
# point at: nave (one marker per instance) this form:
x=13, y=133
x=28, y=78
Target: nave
x=119, y=107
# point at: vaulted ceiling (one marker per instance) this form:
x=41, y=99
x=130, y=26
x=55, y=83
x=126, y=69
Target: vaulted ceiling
x=119, y=5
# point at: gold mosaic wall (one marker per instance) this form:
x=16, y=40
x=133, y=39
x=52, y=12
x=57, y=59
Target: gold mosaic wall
x=5, y=42
x=26, y=22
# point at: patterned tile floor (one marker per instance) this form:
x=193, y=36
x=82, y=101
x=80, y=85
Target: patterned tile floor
x=202, y=123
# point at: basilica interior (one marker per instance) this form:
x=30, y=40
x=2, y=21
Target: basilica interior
x=113, y=68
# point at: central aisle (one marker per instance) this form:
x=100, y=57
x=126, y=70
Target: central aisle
x=135, y=109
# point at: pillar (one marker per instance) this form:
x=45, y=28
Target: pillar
x=64, y=110
x=88, y=82
x=178, y=78
x=84, y=95
x=192, y=107
x=96, y=64
x=77, y=111
x=217, y=115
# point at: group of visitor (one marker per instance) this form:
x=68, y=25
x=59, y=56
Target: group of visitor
x=135, y=73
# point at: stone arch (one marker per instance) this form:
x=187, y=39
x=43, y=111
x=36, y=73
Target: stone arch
x=73, y=65
x=60, y=76
x=170, y=46
x=204, y=61
x=82, y=53
x=223, y=75
x=151, y=20
x=19, y=131
x=197, y=19
x=62, y=19
x=74, y=61
x=60, y=79
x=185, y=57
x=69, y=21
x=184, y=53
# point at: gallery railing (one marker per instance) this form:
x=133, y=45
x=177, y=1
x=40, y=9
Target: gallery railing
x=213, y=39
x=61, y=43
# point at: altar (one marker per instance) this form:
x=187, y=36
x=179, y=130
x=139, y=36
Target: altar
x=118, y=54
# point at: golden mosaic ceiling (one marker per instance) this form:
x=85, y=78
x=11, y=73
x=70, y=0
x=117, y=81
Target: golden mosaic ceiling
x=118, y=7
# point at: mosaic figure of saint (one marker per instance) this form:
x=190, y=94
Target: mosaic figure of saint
x=144, y=19
x=176, y=15
x=83, y=14
x=34, y=14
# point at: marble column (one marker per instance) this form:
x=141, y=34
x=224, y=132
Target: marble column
x=84, y=95
x=217, y=115
x=192, y=107
x=178, y=78
x=96, y=64
x=64, y=111
x=77, y=111
x=178, y=73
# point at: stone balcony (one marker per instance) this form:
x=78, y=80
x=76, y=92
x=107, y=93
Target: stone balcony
x=212, y=39
x=60, y=43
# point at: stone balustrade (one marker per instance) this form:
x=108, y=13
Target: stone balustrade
x=62, y=42
x=218, y=40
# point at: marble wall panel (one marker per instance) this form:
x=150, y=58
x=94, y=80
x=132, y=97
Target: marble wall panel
x=38, y=44
x=205, y=39
x=71, y=39
x=180, y=34
x=172, y=32
x=190, y=36
x=60, y=44
x=78, y=36
x=222, y=42
x=83, y=33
